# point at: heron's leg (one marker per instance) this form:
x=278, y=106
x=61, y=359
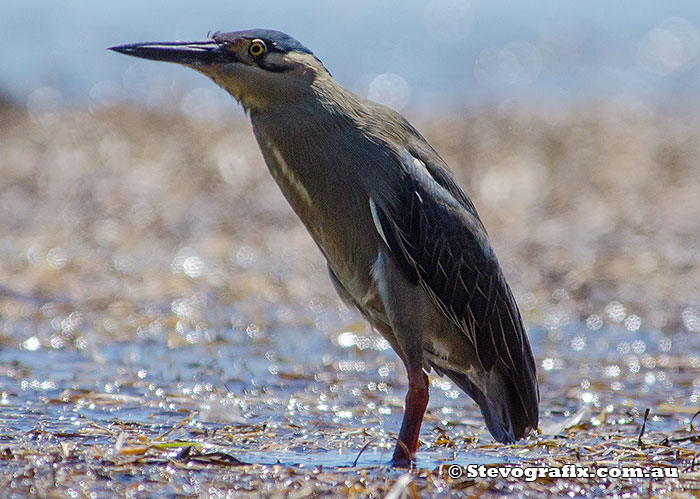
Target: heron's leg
x=408, y=315
x=417, y=396
x=416, y=402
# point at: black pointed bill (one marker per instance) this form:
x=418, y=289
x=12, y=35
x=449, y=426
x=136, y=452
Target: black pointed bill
x=188, y=53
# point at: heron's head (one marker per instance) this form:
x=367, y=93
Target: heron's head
x=261, y=68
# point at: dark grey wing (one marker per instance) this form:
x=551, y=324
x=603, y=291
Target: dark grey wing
x=439, y=171
x=435, y=236
x=440, y=243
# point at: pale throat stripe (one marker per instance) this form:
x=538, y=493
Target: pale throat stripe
x=289, y=176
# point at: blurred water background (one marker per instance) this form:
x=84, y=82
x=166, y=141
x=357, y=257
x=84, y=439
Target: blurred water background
x=411, y=53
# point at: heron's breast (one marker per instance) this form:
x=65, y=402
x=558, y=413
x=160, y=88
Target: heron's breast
x=337, y=217
x=290, y=183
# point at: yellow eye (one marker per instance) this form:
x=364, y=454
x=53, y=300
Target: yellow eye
x=257, y=48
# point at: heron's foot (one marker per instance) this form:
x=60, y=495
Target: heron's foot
x=401, y=461
x=403, y=455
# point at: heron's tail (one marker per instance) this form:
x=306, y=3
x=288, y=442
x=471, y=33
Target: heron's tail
x=509, y=406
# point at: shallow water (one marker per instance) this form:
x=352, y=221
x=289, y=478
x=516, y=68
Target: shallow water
x=326, y=383
x=163, y=313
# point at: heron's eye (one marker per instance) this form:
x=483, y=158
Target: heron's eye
x=257, y=48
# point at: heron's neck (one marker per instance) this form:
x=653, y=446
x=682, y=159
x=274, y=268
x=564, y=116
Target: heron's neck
x=325, y=105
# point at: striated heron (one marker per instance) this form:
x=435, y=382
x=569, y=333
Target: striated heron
x=403, y=242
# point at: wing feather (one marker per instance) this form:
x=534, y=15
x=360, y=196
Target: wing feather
x=436, y=236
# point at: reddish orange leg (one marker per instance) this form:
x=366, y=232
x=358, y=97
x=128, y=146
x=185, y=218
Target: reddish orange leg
x=416, y=402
